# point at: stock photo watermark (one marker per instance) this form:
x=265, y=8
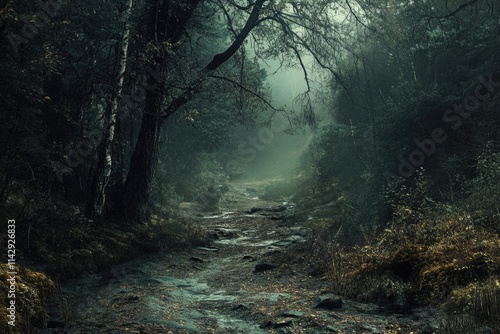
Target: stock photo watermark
x=454, y=118
x=11, y=272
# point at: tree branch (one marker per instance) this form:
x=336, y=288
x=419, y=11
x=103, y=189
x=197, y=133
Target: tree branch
x=216, y=62
x=251, y=92
x=357, y=19
x=460, y=8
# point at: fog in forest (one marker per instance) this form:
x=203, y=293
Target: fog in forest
x=277, y=148
x=265, y=166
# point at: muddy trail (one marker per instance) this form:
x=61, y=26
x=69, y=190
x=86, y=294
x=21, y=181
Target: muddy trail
x=253, y=278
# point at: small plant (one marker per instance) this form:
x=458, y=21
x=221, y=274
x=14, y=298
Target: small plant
x=462, y=323
x=481, y=300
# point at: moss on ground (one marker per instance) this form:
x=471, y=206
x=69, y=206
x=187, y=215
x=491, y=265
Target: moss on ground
x=32, y=290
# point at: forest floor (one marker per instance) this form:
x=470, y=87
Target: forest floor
x=253, y=278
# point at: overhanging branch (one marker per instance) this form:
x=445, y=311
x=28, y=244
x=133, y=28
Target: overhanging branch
x=456, y=11
x=216, y=62
x=251, y=92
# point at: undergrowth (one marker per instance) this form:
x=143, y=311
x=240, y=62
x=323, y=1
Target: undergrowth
x=57, y=240
x=444, y=260
x=32, y=290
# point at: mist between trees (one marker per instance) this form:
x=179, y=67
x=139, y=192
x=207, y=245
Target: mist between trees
x=134, y=104
x=368, y=116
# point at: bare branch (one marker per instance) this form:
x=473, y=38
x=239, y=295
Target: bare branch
x=357, y=19
x=306, y=76
x=248, y=90
x=216, y=62
x=228, y=18
x=247, y=7
x=456, y=11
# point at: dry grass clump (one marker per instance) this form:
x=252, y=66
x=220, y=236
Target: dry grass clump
x=32, y=291
x=481, y=300
x=418, y=263
x=171, y=234
x=461, y=323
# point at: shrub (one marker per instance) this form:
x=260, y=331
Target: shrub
x=419, y=263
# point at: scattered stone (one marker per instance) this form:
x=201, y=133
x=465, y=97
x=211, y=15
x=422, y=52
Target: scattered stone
x=329, y=302
x=264, y=267
x=283, y=243
x=254, y=210
x=240, y=307
x=283, y=331
x=249, y=258
x=224, y=233
x=207, y=249
x=276, y=325
x=132, y=298
x=370, y=329
x=279, y=208
x=278, y=217
x=196, y=259
x=283, y=323
x=267, y=324
x=293, y=314
x=328, y=329
x=273, y=251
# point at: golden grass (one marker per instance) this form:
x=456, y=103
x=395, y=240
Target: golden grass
x=32, y=290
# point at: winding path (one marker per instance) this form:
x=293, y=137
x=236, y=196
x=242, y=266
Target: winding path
x=252, y=279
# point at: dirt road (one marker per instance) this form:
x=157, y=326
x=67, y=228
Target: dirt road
x=252, y=279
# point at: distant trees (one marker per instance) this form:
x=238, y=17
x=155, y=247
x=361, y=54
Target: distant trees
x=91, y=113
x=73, y=68
x=278, y=29
x=406, y=66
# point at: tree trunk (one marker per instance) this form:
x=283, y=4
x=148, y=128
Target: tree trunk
x=142, y=166
x=143, y=161
x=170, y=21
x=166, y=22
x=97, y=203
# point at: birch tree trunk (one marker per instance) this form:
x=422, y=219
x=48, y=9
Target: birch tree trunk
x=97, y=203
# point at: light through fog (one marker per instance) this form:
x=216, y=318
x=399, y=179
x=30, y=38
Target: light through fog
x=279, y=157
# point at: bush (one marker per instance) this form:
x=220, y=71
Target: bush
x=409, y=264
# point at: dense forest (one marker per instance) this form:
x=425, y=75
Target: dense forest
x=356, y=142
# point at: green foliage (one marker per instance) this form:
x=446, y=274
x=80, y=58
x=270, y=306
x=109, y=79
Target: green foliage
x=339, y=171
